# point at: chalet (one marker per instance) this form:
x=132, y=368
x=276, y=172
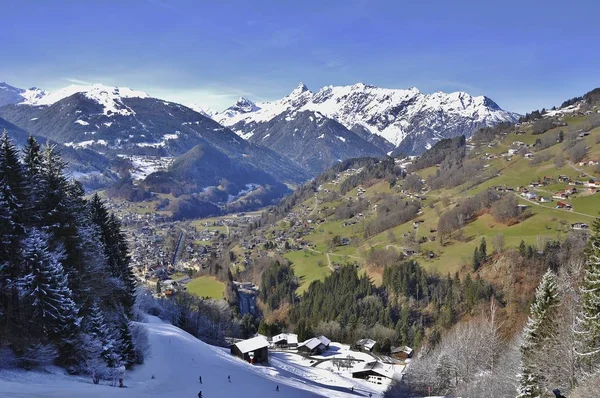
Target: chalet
x=561, y=195
x=563, y=205
x=579, y=226
x=312, y=346
x=252, y=350
x=593, y=183
x=562, y=178
x=366, y=344
x=530, y=195
x=544, y=199
x=285, y=340
x=528, y=155
x=325, y=341
x=374, y=372
x=401, y=352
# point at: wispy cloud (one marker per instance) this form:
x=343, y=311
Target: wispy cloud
x=217, y=98
x=77, y=81
x=455, y=85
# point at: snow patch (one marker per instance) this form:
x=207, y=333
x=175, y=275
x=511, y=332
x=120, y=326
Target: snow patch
x=82, y=122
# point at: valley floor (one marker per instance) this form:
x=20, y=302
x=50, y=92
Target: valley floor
x=176, y=361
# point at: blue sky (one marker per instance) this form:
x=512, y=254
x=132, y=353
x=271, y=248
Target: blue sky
x=522, y=54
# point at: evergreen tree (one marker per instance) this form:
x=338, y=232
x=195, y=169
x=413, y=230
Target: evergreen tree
x=126, y=348
x=115, y=250
x=589, y=316
x=483, y=251
x=101, y=332
x=539, y=329
x=476, y=259
x=54, y=314
x=523, y=249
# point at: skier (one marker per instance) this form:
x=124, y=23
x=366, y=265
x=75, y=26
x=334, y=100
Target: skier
x=200, y=394
x=229, y=378
x=277, y=388
x=352, y=389
x=200, y=379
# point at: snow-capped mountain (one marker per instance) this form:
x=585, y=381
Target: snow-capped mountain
x=395, y=114
x=201, y=110
x=14, y=95
x=121, y=122
x=312, y=140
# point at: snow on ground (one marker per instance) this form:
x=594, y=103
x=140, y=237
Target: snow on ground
x=109, y=97
x=176, y=360
x=143, y=166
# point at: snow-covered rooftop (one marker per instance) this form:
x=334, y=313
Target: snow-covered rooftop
x=253, y=344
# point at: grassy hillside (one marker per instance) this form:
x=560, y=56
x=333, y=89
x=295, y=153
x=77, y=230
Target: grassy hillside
x=510, y=157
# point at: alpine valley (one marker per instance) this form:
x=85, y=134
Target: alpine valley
x=244, y=157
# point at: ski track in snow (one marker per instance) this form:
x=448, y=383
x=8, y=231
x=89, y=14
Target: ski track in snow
x=176, y=360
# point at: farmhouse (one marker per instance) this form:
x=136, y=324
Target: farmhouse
x=286, y=340
x=312, y=346
x=325, y=341
x=252, y=350
x=374, y=372
x=366, y=344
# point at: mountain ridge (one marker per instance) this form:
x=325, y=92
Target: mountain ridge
x=394, y=114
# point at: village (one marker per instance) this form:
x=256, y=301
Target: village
x=363, y=360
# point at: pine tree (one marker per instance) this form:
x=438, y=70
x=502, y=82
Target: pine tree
x=539, y=329
x=54, y=314
x=126, y=348
x=523, y=249
x=588, y=322
x=483, y=251
x=103, y=334
x=476, y=259
x=12, y=229
x=116, y=251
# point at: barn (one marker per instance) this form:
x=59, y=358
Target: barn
x=374, y=372
x=312, y=346
x=366, y=344
x=285, y=340
x=252, y=350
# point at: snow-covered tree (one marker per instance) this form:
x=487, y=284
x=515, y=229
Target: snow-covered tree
x=126, y=346
x=54, y=314
x=539, y=329
x=589, y=318
x=103, y=334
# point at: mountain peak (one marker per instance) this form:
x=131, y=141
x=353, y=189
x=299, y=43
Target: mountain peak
x=243, y=101
x=300, y=89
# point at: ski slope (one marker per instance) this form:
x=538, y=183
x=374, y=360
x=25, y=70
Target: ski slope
x=176, y=361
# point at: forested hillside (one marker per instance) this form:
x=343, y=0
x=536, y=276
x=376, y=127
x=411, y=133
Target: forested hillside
x=67, y=289
x=443, y=253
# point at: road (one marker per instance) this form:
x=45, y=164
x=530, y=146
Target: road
x=546, y=207
x=334, y=254
x=579, y=170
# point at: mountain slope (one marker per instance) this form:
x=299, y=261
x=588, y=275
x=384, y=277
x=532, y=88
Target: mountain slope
x=172, y=369
x=394, y=114
x=14, y=95
x=120, y=121
x=312, y=140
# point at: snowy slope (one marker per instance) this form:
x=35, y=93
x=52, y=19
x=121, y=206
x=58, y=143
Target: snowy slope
x=176, y=361
x=14, y=95
x=109, y=97
x=394, y=114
